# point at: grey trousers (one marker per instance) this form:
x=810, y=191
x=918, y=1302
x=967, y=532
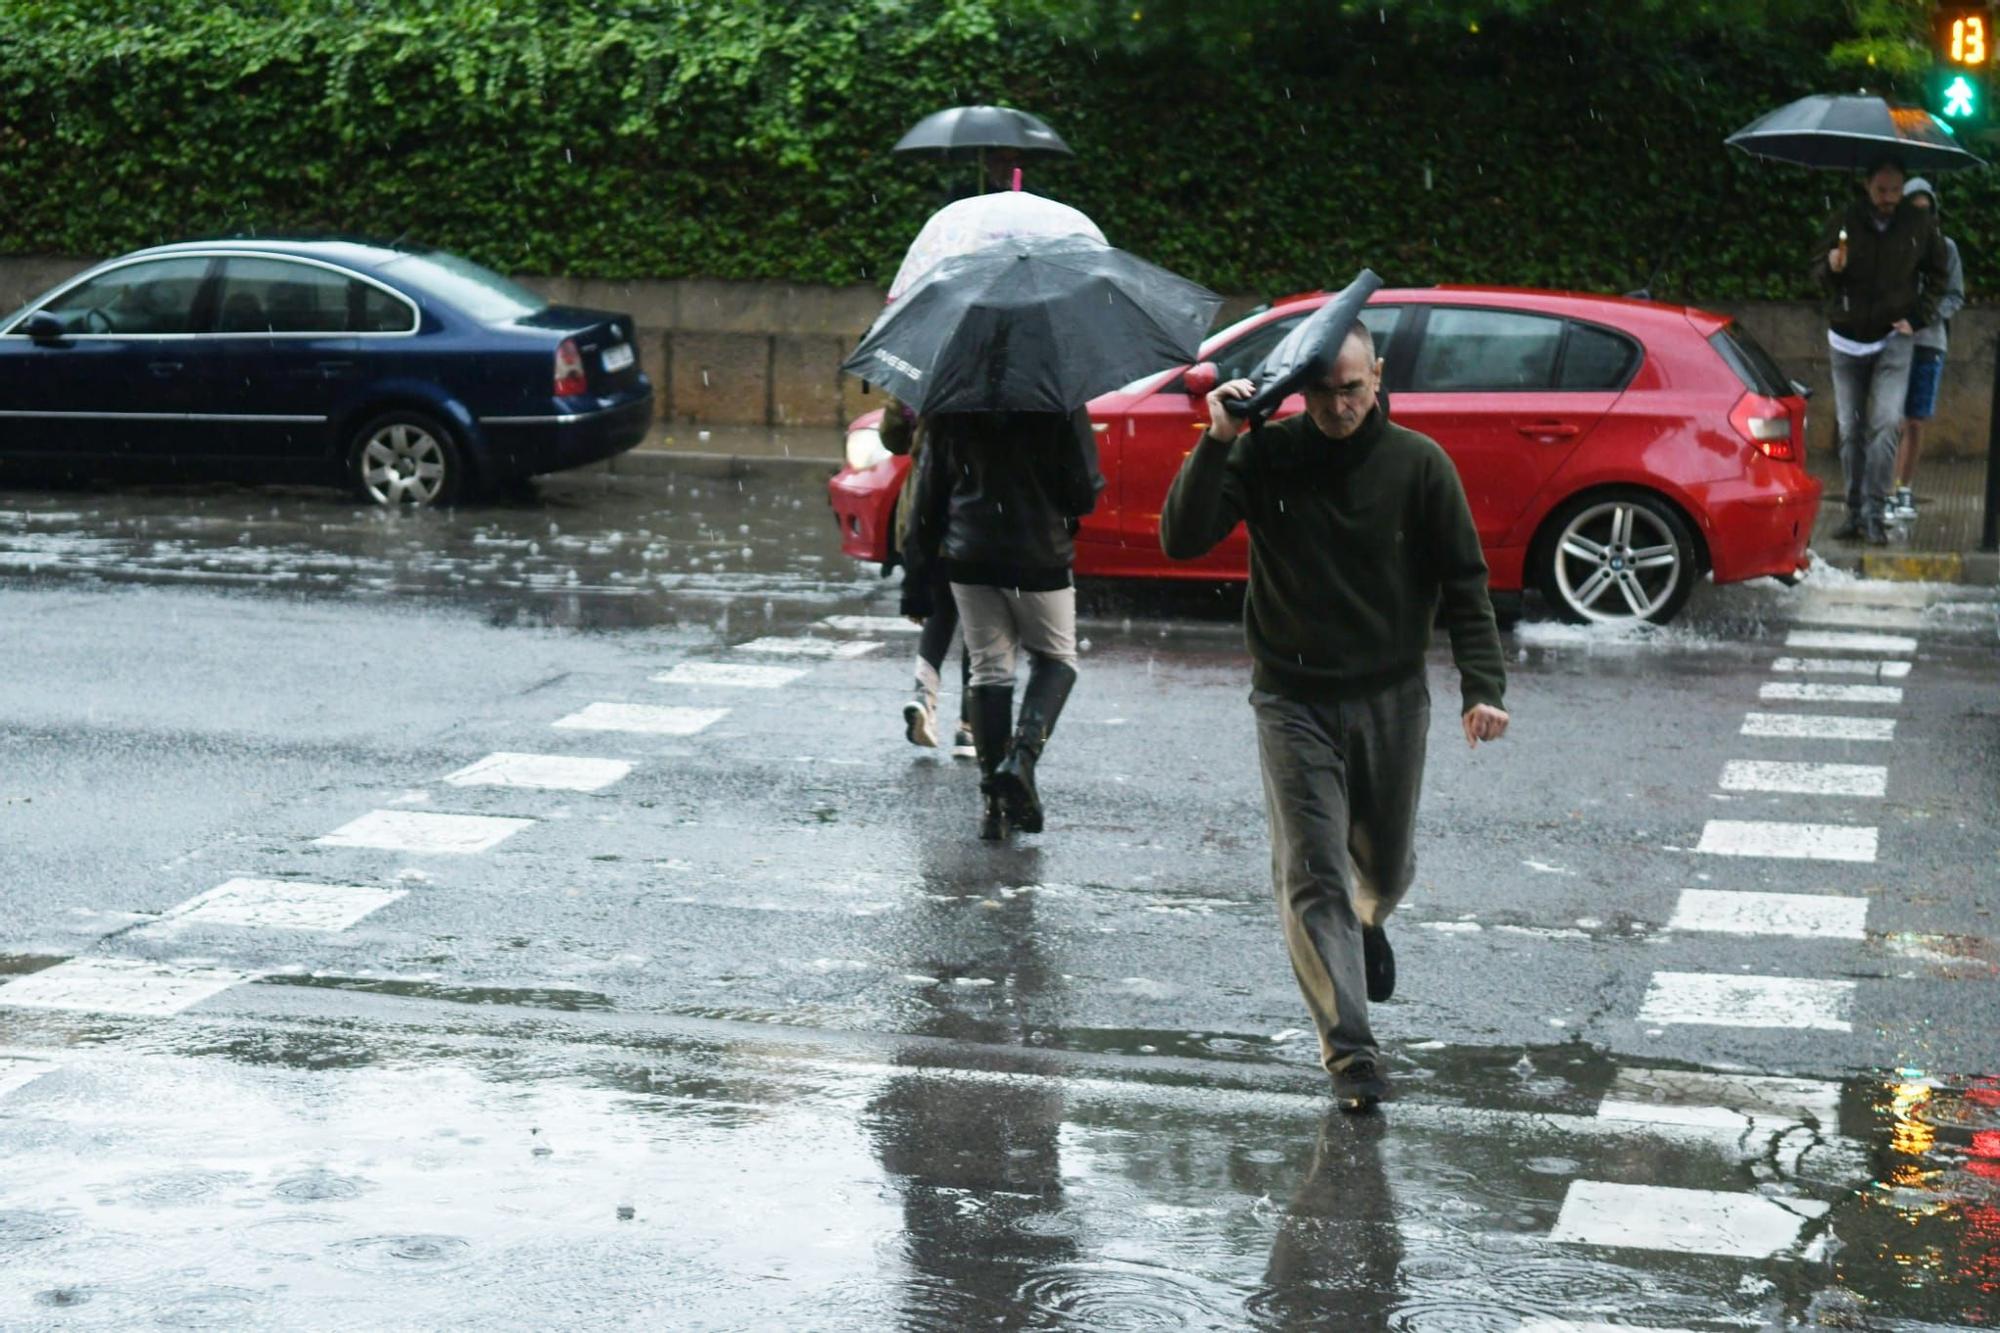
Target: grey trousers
x=1341, y=781
x=1868, y=394
x=1000, y=621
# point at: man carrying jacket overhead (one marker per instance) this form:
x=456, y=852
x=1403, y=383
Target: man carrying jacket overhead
x=1883, y=267
x=1358, y=528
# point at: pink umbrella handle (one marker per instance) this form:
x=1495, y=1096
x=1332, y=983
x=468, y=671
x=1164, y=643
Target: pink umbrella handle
x=1017, y=178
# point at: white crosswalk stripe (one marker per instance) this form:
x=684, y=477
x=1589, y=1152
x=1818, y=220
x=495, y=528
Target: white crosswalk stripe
x=1837, y=641
x=872, y=624
x=1818, y=727
x=1806, y=915
x=421, y=831
x=804, y=647
x=1878, y=668
x=17, y=1073
x=1861, y=617
x=737, y=675
x=1713, y=999
x=1654, y=1217
x=1731, y=1102
x=1806, y=779
x=120, y=986
x=282, y=903
x=1807, y=842
x=547, y=772
x=645, y=719
x=1812, y=692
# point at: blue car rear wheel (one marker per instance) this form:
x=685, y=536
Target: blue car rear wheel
x=405, y=458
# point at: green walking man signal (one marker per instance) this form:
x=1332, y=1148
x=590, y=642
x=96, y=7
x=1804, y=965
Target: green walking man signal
x=1960, y=102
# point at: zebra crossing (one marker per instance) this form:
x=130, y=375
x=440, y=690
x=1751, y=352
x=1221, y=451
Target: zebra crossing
x=149, y=989
x=1754, y=1226
x=1783, y=756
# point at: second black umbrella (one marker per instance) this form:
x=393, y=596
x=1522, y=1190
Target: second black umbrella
x=1036, y=324
x=962, y=131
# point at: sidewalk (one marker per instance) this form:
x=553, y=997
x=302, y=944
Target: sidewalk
x=1940, y=545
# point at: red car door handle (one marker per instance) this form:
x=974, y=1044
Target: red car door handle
x=1548, y=430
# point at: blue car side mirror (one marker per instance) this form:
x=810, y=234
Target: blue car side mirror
x=43, y=327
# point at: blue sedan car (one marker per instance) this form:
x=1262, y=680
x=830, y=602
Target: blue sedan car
x=411, y=374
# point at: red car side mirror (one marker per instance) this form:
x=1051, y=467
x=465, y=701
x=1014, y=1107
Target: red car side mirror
x=1200, y=380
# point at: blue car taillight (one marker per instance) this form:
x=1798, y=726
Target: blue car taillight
x=570, y=382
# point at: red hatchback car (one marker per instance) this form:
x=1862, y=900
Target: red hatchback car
x=1613, y=450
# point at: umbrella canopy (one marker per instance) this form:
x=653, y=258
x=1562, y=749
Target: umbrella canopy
x=1852, y=133
x=962, y=131
x=983, y=220
x=1036, y=324
x=1308, y=350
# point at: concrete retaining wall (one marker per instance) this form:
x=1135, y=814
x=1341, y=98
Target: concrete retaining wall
x=768, y=354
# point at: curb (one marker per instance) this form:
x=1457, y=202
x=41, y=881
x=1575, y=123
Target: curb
x=659, y=462
x=1978, y=568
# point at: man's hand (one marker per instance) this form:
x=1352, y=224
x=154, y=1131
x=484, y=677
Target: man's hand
x=1483, y=722
x=1836, y=259
x=918, y=621
x=1902, y=326
x=1220, y=424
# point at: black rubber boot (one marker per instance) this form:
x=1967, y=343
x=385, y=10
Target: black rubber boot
x=992, y=716
x=1041, y=704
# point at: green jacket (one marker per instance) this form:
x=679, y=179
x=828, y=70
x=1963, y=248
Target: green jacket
x=1353, y=545
x=1895, y=274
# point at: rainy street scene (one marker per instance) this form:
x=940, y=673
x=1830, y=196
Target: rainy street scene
x=963, y=664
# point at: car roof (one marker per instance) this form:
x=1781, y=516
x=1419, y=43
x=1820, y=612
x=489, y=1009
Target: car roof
x=1620, y=310
x=352, y=252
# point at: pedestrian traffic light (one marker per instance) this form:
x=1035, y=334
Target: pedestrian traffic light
x=1958, y=98
x=1964, y=51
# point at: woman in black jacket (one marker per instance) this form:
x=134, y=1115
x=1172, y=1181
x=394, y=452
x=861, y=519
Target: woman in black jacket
x=997, y=498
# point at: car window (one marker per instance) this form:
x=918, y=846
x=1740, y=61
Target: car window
x=154, y=296
x=1241, y=357
x=1381, y=323
x=479, y=292
x=1486, y=349
x=1237, y=360
x=1752, y=364
x=1596, y=358
x=280, y=296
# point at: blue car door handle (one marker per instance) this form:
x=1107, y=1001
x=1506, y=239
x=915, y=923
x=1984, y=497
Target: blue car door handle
x=334, y=370
x=164, y=369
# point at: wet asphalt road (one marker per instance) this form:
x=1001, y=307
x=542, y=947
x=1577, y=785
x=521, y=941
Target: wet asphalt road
x=756, y=1035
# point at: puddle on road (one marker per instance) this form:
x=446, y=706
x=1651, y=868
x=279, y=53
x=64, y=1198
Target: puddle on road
x=530, y=997
x=586, y=552
x=465, y=1179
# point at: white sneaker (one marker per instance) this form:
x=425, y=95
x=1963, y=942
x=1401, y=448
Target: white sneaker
x=961, y=743
x=920, y=720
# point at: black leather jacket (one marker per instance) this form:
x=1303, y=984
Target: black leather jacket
x=997, y=499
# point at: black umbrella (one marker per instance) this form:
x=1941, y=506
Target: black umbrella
x=1033, y=324
x=962, y=131
x=1307, y=351
x=1852, y=133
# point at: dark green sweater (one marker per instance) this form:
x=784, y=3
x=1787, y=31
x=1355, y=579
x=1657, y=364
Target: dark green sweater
x=1352, y=544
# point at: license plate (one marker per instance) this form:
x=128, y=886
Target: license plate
x=618, y=357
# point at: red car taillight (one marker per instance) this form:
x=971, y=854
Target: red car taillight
x=570, y=382
x=1767, y=426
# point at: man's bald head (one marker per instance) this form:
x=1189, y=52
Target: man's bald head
x=1340, y=399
